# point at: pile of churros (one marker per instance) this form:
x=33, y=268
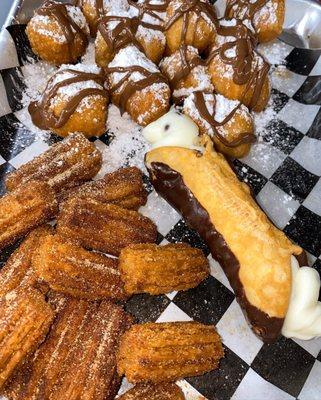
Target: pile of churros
x=63, y=331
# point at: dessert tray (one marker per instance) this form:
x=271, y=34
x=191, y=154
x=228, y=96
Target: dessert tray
x=283, y=169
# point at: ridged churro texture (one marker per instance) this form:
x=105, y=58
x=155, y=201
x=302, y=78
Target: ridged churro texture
x=18, y=271
x=162, y=391
x=148, y=268
x=25, y=319
x=77, y=360
x=70, y=269
x=64, y=164
x=123, y=188
x=162, y=352
x=104, y=227
x=24, y=209
x=262, y=251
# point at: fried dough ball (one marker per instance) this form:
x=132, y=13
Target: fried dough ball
x=90, y=114
x=199, y=30
x=266, y=20
x=58, y=33
x=238, y=128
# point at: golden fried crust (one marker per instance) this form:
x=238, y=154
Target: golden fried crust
x=25, y=319
x=199, y=31
x=72, y=270
x=77, y=360
x=24, y=209
x=104, y=227
x=262, y=250
x=69, y=162
x=123, y=188
x=17, y=270
x=148, y=268
x=164, y=391
x=161, y=352
x=47, y=47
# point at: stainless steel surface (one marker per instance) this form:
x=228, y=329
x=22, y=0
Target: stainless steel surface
x=302, y=26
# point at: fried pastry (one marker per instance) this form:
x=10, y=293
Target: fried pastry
x=238, y=72
x=24, y=209
x=227, y=122
x=18, y=270
x=186, y=73
x=137, y=86
x=70, y=269
x=162, y=391
x=25, y=319
x=266, y=16
x=162, y=352
x=58, y=32
x=190, y=23
x=74, y=100
x=67, y=163
x=255, y=255
x=95, y=10
x=77, y=360
x=123, y=188
x=148, y=268
x=104, y=227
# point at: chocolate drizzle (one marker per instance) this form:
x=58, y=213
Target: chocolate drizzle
x=170, y=185
x=41, y=114
x=244, y=9
x=153, y=10
x=244, y=72
x=70, y=29
x=122, y=35
x=201, y=107
x=128, y=87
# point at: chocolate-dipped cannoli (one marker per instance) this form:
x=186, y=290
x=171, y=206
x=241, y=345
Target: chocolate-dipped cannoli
x=74, y=100
x=238, y=72
x=58, y=32
x=227, y=122
x=265, y=16
x=186, y=73
x=254, y=254
x=189, y=22
x=95, y=10
x=137, y=86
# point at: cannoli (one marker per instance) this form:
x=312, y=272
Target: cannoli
x=238, y=72
x=77, y=360
x=163, y=352
x=67, y=163
x=186, y=73
x=254, y=254
x=189, y=22
x=104, y=227
x=137, y=86
x=70, y=269
x=25, y=319
x=150, y=15
x=95, y=10
x=162, y=391
x=24, y=209
x=227, y=122
x=123, y=188
x=148, y=268
x=58, y=32
x=18, y=270
x=74, y=100
x=265, y=16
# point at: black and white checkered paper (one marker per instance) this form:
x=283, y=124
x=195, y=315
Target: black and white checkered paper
x=284, y=170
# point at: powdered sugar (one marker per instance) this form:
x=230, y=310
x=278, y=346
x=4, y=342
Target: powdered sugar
x=202, y=82
x=267, y=14
x=78, y=17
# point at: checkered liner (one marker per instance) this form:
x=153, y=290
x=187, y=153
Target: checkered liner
x=283, y=169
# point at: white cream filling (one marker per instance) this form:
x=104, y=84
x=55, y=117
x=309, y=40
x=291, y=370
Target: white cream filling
x=303, y=319
x=173, y=129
